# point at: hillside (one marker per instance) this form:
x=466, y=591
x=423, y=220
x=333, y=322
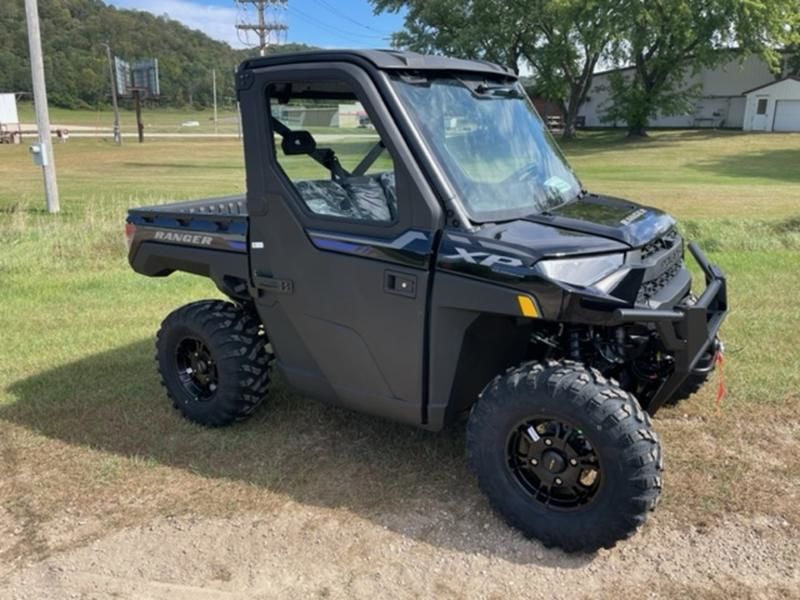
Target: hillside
x=75, y=62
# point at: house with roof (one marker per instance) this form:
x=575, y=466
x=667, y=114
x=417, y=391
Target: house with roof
x=774, y=106
x=737, y=94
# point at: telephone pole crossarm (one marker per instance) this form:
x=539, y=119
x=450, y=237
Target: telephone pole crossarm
x=264, y=28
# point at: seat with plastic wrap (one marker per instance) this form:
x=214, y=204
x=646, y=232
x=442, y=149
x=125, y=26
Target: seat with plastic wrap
x=353, y=195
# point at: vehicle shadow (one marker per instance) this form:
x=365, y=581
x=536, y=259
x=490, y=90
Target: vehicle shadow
x=413, y=482
x=597, y=142
x=780, y=164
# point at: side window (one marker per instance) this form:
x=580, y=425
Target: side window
x=330, y=151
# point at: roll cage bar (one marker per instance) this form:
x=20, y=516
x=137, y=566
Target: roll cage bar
x=302, y=142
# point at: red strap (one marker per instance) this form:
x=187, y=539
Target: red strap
x=721, y=390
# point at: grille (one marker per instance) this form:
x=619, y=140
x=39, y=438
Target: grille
x=665, y=242
x=666, y=254
x=652, y=287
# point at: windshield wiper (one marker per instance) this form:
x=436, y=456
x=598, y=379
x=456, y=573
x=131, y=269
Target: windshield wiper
x=483, y=89
x=504, y=91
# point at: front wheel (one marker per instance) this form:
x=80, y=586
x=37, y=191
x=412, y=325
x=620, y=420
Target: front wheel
x=565, y=455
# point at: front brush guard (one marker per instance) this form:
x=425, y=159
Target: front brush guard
x=686, y=332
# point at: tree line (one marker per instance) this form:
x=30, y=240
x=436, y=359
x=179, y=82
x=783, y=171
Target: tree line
x=562, y=42
x=76, y=68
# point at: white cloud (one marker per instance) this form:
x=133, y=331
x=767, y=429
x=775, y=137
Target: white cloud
x=218, y=22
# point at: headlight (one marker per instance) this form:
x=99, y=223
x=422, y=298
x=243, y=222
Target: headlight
x=581, y=271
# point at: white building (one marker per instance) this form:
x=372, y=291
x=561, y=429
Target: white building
x=8, y=110
x=9, y=119
x=722, y=97
x=774, y=106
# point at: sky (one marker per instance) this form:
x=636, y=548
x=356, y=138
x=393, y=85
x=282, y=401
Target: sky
x=323, y=23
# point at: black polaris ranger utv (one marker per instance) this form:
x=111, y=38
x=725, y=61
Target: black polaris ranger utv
x=438, y=259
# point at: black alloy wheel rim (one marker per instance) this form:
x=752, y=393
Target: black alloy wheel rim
x=554, y=462
x=196, y=369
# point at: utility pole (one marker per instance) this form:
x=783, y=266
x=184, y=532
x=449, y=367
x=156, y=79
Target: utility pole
x=214, y=93
x=137, y=103
x=40, y=103
x=264, y=27
x=113, y=80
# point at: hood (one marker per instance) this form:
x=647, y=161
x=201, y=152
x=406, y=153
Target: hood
x=611, y=218
x=588, y=225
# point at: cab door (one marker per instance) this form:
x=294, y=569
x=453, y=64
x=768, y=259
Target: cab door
x=342, y=228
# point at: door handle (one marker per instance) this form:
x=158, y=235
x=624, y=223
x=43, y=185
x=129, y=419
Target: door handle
x=271, y=284
x=401, y=284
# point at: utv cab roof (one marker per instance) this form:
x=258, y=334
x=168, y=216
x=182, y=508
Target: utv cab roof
x=388, y=60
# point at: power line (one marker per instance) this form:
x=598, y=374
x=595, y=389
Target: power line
x=333, y=10
x=349, y=35
x=264, y=27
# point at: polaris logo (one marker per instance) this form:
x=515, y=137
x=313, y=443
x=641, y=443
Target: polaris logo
x=484, y=258
x=183, y=238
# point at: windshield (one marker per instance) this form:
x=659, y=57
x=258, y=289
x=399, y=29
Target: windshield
x=498, y=154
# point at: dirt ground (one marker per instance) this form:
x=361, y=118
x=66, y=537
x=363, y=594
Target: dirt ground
x=300, y=551
x=105, y=492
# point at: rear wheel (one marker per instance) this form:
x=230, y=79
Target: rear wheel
x=565, y=455
x=213, y=358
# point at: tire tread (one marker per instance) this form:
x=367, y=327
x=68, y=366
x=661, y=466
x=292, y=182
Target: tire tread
x=606, y=407
x=235, y=336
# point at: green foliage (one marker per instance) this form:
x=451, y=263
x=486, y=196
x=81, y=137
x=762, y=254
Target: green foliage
x=562, y=40
x=570, y=37
x=633, y=103
x=793, y=60
x=665, y=41
x=75, y=61
x=478, y=29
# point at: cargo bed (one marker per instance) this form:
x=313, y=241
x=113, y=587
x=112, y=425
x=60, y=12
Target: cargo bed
x=224, y=206
x=205, y=237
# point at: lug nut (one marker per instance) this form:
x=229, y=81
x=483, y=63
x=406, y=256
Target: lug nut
x=573, y=462
x=558, y=481
x=548, y=442
x=534, y=462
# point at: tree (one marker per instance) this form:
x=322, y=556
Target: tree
x=561, y=40
x=73, y=32
x=569, y=39
x=666, y=40
x=793, y=60
x=477, y=29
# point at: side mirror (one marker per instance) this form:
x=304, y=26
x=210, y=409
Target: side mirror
x=298, y=142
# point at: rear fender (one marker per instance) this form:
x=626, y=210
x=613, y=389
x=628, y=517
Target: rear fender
x=228, y=270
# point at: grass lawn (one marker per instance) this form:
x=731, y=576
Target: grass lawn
x=156, y=120
x=85, y=428
x=162, y=120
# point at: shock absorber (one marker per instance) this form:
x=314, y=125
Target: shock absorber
x=620, y=350
x=574, y=348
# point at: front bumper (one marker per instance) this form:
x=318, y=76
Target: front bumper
x=687, y=332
